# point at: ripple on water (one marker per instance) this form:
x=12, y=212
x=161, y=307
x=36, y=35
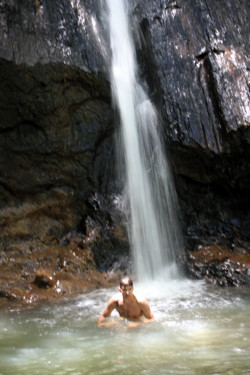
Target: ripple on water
x=199, y=329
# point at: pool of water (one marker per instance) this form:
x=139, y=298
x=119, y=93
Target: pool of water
x=199, y=330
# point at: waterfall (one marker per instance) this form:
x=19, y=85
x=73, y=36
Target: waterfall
x=154, y=231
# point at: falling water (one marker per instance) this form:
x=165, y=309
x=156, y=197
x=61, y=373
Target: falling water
x=154, y=232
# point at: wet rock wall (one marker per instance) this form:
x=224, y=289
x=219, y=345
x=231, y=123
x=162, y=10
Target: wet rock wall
x=198, y=74
x=57, y=124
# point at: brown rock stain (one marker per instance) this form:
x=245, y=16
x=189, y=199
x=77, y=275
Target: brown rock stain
x=31, y=275
x=210, y=253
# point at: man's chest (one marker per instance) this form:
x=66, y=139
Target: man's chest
x=129, y=311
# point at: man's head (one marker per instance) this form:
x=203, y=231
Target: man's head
x=126, y=286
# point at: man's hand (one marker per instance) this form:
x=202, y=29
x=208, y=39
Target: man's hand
x=107, y=324
x=106, y=313
x=134, y=324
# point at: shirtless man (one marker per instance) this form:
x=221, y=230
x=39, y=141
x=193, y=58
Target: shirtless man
x=127, y=306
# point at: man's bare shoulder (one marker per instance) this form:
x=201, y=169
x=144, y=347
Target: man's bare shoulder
x=114, y=300
x=143, y=302
x=145, y=308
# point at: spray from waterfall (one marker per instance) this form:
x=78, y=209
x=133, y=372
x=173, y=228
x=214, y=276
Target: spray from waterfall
x=154, y=231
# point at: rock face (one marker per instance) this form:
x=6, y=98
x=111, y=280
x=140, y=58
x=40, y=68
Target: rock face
x=46, y=31
x=57, y=180
x=55, y=127
x=220, y=266
x=198, y=72
x=57, y=172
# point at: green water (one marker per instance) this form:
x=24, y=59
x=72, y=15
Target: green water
x=199, y=330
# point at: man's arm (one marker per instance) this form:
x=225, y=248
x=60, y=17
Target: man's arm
x=106, y=313
x=147, y=312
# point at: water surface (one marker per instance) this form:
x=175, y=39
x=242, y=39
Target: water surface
x=199, y=330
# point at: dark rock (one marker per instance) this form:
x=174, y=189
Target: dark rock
x=57, y=125
x=219, y=266
x=50, y=31
x=6, y=294
x=245, y=228
x=107, y=236
x=198, y=73
x=43, y=279
x=53, y=148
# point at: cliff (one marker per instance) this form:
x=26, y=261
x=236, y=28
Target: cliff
x=57, y=156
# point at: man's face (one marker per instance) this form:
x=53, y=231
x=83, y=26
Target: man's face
x=126, y=290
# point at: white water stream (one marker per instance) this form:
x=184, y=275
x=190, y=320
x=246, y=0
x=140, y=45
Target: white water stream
x=154, y=231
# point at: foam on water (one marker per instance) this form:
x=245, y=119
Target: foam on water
x=198, y=329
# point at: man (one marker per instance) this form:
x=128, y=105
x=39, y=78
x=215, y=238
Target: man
x=128, y=307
